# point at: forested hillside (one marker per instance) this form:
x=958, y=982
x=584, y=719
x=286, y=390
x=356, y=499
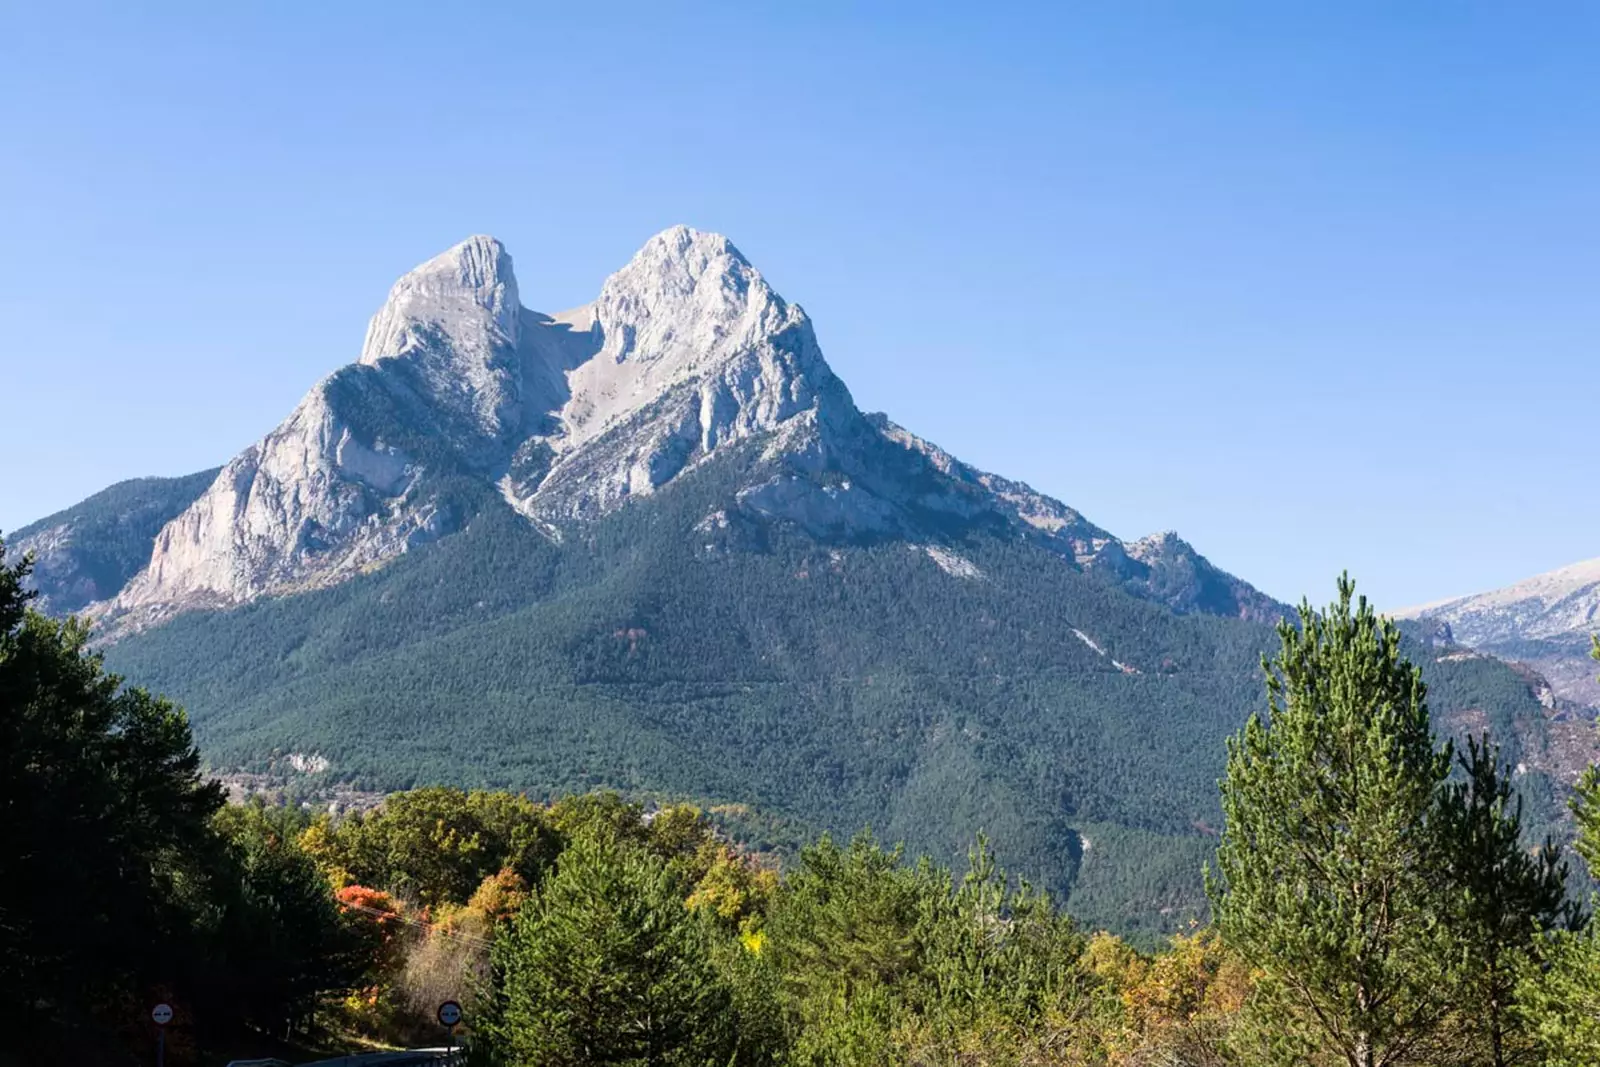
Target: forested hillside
x=90, y=550
x=987, y=685
x=1372, y=907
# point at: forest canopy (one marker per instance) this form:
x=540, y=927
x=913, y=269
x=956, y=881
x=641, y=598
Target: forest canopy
x=1377, y=898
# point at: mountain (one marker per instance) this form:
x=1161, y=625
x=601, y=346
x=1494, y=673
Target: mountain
x=88, y=552
x=461, y=392
x=1546, y=621
x=652, y=544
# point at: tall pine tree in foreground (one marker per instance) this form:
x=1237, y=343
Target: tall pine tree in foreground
x=1328, y=878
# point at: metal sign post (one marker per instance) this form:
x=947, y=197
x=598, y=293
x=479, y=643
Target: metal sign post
x=161, y=1015
x=449, y=1018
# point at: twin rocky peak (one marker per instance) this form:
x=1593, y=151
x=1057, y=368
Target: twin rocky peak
x=686, y=356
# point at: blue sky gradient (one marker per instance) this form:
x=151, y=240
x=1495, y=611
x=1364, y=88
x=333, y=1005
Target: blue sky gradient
x=1316, y=285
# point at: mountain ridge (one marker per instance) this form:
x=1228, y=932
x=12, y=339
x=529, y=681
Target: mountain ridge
x=87, y=552
x=567, y=416
x=1546, y=620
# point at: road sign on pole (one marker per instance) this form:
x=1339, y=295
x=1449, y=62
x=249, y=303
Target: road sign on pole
x=161, y=1015
x=449, y=1017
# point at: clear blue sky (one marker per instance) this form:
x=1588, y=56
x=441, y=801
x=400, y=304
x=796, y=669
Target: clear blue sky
x=1317, y=285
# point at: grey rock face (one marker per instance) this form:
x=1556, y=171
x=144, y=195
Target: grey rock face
x=60, y=578
x=1169, y=571
x=1552, y=605
x=686, y=354
x=692, y=351
x=1545, y=621
x=89, y=551
x=686, y=350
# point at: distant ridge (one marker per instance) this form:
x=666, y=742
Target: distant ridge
x=1546, y=620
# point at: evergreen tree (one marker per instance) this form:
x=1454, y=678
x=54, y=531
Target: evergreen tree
x=1559, y=1003
x=849, y=917
x=606, y=965
x=104, y=821
x=279, y=942
x=844, y=937
x=991, y=947
x=1326, y=862
x=1503, y=899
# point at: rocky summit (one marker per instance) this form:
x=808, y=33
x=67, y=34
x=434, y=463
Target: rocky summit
x=686, y=352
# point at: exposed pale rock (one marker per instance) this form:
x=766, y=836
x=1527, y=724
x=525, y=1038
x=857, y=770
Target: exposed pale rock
x=457, y=319
x=696, y=352
x=966, y=488
x=305, y=506
x=952, y=564
x=56, y=567
x=686, y=354
x=1086, y=639
x=1545, y=620
x=1551, y=605
x=823, y=510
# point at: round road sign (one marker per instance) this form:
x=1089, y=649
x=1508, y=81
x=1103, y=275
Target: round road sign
x=162, y=1014
x=449, y=1013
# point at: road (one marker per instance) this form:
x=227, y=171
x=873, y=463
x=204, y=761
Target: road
x=417, y=1057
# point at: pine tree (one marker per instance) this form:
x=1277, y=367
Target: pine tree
x=1559, y=1002
x=608, y=966
x=106, y=820
x=844, y=937
x=1325, y=876
x=1504, y=898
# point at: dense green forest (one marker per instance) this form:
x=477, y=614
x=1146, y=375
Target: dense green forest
x=1377, y=902
x=819, y=685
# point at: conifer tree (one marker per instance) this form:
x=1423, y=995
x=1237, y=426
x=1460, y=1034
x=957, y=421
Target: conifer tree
x=1503, y=898
x=1325, y=875
x=606, y=965
x=106, y=820
x=1559, y=1002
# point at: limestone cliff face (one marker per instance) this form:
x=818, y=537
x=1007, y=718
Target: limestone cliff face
x=686, y=350
x=691, y=350
x=686, y=354
x=324, y=495
x=308, y=504
x=1552, y=605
